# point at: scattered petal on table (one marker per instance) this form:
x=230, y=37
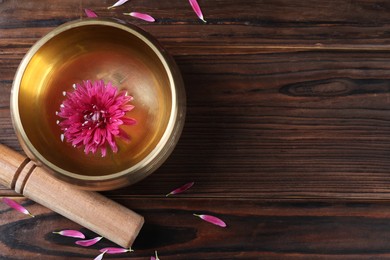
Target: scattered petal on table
x=141, y=16
x=90, y=13
x=13, y=204
x=120, y=2
x=100, y=257
x=88, y=242
x=181, y=189
x=212, y=220
x=70, y=233
x=154, y=258
x=197, y=10
x=116, y=250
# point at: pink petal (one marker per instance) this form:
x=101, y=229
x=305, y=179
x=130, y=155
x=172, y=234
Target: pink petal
x=129, y=121
x=154, y=258
x=13, y=204
x=88, y=242
x=127, y=107
x=197, y=10
x=116, y=250
x=120, y=2
x=141, y=16
x=103, y=150
x=124, y=135
x=100, y=257
x=70, y=233
x=212, y=220
x=181, y=189
x=90, y=13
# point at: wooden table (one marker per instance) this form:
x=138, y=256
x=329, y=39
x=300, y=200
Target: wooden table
x=287, y=135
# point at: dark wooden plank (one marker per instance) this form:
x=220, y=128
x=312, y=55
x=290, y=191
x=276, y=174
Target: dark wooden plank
x=232, y=26
x=273, y=230
x=282, y=125
x=288, y=125
x=288, y=120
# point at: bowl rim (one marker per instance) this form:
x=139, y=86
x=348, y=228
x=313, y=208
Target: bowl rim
x=172, y=130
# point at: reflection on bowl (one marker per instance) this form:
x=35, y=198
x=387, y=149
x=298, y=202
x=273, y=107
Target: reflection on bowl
x=99, y=49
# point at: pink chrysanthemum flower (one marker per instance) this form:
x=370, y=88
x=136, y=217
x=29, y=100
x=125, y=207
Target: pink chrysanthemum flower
x=92, y=115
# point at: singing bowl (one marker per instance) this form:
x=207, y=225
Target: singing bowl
x=98, y=49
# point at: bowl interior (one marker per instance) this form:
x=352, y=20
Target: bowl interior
x=94, y=52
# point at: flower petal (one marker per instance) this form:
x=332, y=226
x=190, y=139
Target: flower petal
x=90, y=13
x=154, y=258
x=124, y=135
x=141, y=16
x=197, y=10
x=88, y=242
x=129, y=121
x=120, y=2
x=212, y=220
x=116, y=250
x=70, y=233
x=100, y=257
x=181, y=189
x=13, y=204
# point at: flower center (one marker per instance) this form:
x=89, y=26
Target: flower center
x=95, y=116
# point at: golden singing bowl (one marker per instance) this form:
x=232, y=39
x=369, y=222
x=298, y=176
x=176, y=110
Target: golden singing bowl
x=99, y=49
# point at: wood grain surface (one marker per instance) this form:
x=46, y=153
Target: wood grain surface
x=286, y=136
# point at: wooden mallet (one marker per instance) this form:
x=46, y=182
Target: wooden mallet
x=89, y=209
